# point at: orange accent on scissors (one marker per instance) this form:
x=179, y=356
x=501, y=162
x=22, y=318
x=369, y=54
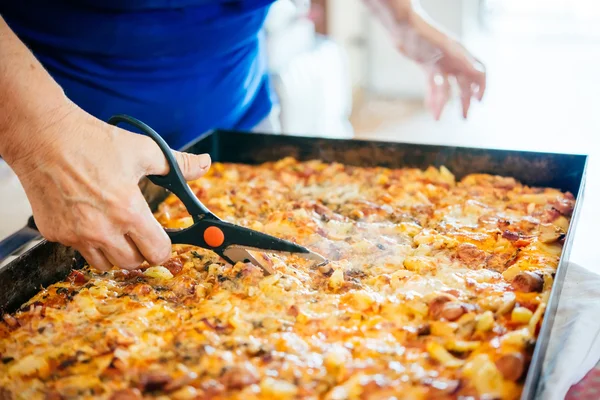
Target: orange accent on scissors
x=213, y=236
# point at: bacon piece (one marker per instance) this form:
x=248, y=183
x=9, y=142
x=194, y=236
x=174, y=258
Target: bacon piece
x=174, y=265
x=549, y=215
x=500, y=261
x=127, y=394
x=211, y=389
x=470, y=255
x=180, y=382
x=238, y=377
x=5, y=394
x=564, y=206
x=53, y=395
x=154, y=380
x=452, y=311
x=436, y=305
x=142, y=290
x=77, y=277
x=293, y=311
x=511, y=366
x=510, y=235
x=11, y=321
x=528, y=281
x=501, y=182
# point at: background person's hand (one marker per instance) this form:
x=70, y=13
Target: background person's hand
x=455, y=63
x=443, y=58
x=81, y=177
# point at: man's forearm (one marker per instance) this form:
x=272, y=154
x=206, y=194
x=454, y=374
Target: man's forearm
x=28, y=95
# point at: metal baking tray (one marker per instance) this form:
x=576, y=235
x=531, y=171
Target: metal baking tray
x=47, y=262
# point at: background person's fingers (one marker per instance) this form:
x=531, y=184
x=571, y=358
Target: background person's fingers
x=95, y=258
x=438, y=93
x=466, y=91
x=479, y=77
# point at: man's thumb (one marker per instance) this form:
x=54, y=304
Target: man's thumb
x=192, y=166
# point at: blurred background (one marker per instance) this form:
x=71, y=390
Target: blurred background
x=338, y=74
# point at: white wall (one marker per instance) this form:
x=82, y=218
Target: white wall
x=346, y=20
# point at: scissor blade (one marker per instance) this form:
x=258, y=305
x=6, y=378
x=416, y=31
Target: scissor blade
x=308, y=255
x=240, y=254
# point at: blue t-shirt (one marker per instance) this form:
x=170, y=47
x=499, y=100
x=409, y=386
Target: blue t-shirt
x=181, y=66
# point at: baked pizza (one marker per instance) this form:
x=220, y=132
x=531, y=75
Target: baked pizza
x=435, y=289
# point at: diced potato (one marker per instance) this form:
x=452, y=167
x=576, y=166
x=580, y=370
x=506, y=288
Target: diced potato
x=485, y=322
x=382, y=179
x=446, y=176
x=277, y=389
x=535, y=198
x=552, y=249
x=31, y=365
x=418, y=307
x=511, y=272
x=521, y=315
x=419, y=264
x=549, y=233
x=442, y=329
x=441, y=355
x=462, y=346
x=395, y=278
x=562, y=222
x=516, y=338
x=158, y=272
x=185, y=393
x=536, y=318
x=336, y=358
x=485, y=376
x=336, y=280
x=409, y=228
x=426, y=236
x=86, y=304
x=361, y=299
x=239, y=324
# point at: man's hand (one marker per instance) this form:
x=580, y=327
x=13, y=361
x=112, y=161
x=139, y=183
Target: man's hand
x=443, y=58
x=81, y=176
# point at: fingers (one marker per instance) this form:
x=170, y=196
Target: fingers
x=96, y=258
x=123, y=253
x=479, y=77
x=132, y=237
x=192, y=166
x=466, y=92
x=438, y=93
x=150, y=238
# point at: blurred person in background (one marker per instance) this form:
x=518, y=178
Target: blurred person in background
x=183, y=67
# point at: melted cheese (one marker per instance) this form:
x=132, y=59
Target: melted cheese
x=417, y=297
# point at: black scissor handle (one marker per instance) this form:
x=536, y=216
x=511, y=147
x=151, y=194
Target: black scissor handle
x=173, y=180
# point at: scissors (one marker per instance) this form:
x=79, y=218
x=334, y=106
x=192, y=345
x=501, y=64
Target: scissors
x=231, y=242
